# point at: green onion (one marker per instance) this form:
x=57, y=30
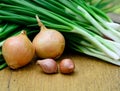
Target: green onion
x=3, y=66
x=86, y=28
x=104, y=5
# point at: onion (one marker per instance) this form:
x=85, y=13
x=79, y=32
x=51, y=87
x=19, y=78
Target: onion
x=48, y=65
x=48, y=43
x=67, y=66
x=18, y=50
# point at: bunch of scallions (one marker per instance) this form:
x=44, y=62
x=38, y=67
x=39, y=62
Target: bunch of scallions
x=86, y=28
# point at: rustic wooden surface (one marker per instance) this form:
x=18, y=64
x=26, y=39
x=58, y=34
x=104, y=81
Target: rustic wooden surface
x=90, y=74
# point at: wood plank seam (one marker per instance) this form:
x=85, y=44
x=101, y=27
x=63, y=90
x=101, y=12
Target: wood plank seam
x=9, y=81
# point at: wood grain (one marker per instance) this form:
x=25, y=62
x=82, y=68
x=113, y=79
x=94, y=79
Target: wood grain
x=90, y=74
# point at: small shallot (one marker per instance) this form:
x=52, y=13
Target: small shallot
x=66, y=66
x=48, y=65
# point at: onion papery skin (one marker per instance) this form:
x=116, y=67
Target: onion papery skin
x=18, y=51
x=49, y=43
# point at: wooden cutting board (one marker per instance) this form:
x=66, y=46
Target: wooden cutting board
x=90, y=74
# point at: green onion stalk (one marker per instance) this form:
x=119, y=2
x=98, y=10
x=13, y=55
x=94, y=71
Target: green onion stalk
x=86, y=28
x=104, y=5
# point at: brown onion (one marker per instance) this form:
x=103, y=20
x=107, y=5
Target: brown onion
x=18, y=50
x=48, y=43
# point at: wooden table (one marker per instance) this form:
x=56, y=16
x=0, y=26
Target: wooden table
x=90, y=74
